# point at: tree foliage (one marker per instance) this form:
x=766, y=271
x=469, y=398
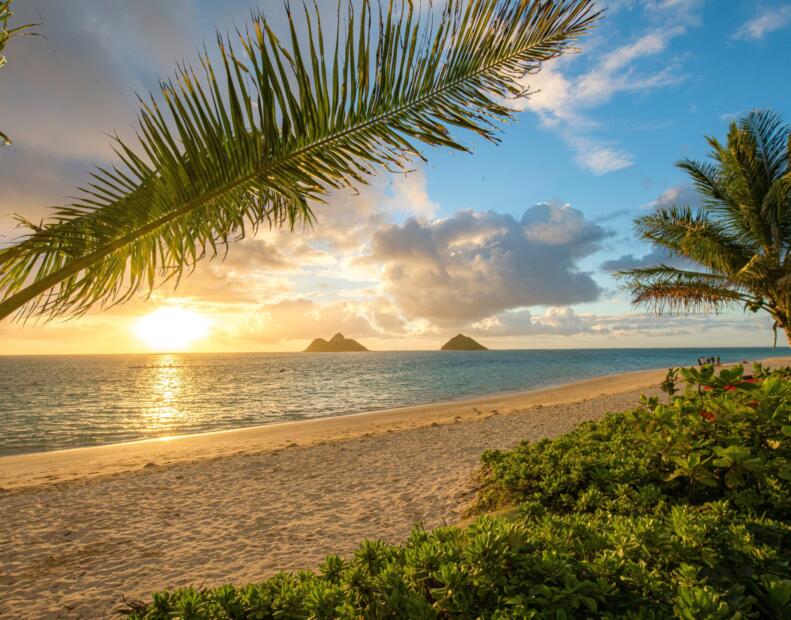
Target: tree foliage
x=259, y=136
x=738, y=241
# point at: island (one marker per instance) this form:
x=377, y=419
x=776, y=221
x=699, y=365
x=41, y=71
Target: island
x=336, y=344
x=460, y=342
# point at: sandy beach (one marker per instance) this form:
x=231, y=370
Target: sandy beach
x=82, y=528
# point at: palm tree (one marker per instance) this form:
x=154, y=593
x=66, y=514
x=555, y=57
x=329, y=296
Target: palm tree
x=738, y=242
x=5, y=36
x=262, y=134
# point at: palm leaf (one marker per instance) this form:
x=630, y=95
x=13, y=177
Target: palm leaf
x=768, y=133
x=696, y=236
x=741, y=236
x=256, y=138
x=668, y=289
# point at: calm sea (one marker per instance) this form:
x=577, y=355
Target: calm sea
x=50, y=403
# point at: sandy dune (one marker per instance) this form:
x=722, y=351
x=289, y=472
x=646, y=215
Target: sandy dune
x=81, y=528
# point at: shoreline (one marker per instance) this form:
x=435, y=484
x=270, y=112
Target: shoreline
x=256, y=427
x=20, y=471
x=86, y=527
x=72, y=418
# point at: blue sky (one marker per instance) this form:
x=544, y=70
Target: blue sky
x=596, y=146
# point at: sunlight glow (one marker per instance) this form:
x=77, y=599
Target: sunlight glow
x=171, y=329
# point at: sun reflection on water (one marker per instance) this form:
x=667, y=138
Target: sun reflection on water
x=166, y=391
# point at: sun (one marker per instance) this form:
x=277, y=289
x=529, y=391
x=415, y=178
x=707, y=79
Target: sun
x=171, y=329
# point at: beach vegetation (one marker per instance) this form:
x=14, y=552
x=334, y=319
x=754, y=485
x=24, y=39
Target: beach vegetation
x=727, y=438
x=676, y=510
x=267, y=125
x=670, y=383
x=733, y=250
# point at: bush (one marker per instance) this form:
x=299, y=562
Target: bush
x=727, y=438
x=692, y=562
x=676, y=510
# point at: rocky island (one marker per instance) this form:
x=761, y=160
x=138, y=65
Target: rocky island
x=460, y=342
x=336, y=344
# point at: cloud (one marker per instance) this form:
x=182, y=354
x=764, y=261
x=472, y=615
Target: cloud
x=317, y=262
x=731, y=116
x=557, y=321
x=768, y=21
x=563, y=98
x=78, y=84
x=64, y=93
x=675, y=196
x=30, y=183
x=475, y=264
x=348, y=220
x=409, y=194
x=297, y=319
x=600, y=159
x=564, y=321
x=657, y=256
x=562, y=102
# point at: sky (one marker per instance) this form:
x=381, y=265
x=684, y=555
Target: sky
x=514, y=244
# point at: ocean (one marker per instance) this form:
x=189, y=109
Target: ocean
x=57, y=402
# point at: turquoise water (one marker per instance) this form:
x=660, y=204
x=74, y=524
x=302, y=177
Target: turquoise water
x=50, y=403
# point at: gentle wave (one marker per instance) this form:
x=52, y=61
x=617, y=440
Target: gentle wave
x=55, y=402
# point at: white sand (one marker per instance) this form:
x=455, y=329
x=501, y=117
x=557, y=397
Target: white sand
x=81, y=528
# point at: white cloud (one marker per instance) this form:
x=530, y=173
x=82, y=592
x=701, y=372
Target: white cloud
x=770, y=20
x=76, y=85
x=409, y=194
x=318, y=262
x=676, y=195
x=564, y=99
x=475, y=264
x=730, y=116
x=600, y=159
x=657, y=256
x=564, y=321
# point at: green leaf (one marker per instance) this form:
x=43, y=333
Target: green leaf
x=737, y=241
x=260, y=137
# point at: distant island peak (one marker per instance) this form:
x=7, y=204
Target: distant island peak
x=460, y=342
x=336, y=344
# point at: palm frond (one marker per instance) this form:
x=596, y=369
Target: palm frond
x=696, y=236
x=753, y=159
x=706, y=180
x=256, y=138
x=744, y=175
x=667, y=289
x=741, y=235
x=769, y=134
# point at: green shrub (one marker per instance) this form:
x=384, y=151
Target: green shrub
x=708, y=561
x=677, y=510
x=726, y=438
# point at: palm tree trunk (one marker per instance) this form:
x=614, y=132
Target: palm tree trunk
x=782, y=321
